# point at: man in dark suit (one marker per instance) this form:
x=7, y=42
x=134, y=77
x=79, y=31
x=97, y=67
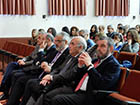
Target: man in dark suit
x=62, y=48
x=21, y=63
x=95, y=76
x=76, y=46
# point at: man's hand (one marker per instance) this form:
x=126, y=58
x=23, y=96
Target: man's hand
x=84, y=59
x=21, y=62
x=43, y=45
x=45, y=67
x=46, y=80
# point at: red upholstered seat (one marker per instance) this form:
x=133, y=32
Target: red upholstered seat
x=130, y=91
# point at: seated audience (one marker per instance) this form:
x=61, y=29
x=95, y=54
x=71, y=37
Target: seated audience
x=118, y=38
x=122, y=30
x=74, y=31
x=52, y=31
x=119, y=25
x=95, y=75
x=102, y=29
x=66, y=29
x=110, y=30
x=138, y=29
x=33, y=41
x=67, y=71
x=85, y=34
x=20, y=64
x=93, y=31
x=61, y=41
x=132, y=43
x=97, y=36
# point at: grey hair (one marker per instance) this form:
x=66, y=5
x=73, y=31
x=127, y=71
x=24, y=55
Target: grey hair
x=41, y=32
x=50, y=36
x=81, y=42
x=110, y=41
x=65, y=36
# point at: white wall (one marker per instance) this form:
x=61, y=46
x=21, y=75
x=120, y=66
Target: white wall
x=21, y=26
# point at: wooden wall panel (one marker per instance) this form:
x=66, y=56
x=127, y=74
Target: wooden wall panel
x=21, y=39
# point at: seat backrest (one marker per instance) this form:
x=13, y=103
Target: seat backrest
x=123, y=76
x=127, y=56
x=137, y=65
x=131, y=87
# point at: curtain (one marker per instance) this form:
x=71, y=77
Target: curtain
x=67, y=7
x=111, y=7
x=17, y=7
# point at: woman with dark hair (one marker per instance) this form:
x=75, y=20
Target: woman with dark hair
x=93, y=31
x=138, y=28
x=66, y=29
x=118, y=41
x=74, y=31
x=132, y=43
x=122, y=30
x=52, y=31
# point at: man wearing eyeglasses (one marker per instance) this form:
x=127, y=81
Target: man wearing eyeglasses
x=61, y=42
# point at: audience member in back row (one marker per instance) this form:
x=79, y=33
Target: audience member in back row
x=97, y=75
x=85, y=34
x=118, y=38
x=52, y=31
x=93, y=31
x=110, y=30
x=74, y=31
x=65, y=29
x=20, y=64
x=132, y=43
x=33, y=41
x=122, y=30
x=138, y=29
x=119, y=25
x=61, y=42
x=102, y=30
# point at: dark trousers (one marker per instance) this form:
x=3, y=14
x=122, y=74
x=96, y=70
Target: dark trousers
x=6, y=81
x=10, y=67
x=46, y=98
x=18, y=89
x=78, y=98
x=33, y=88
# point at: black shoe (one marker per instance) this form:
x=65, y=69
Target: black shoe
x=3, y=97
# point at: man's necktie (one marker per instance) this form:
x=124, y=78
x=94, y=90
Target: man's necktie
x=53, y=61
x=55, y=58
x=83, y=78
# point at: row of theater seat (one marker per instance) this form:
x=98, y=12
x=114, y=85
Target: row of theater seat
x=13, y=50
x=128, y=90
x=132, y=57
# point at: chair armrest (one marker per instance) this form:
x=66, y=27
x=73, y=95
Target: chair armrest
x=102, y=94
x=116, y=101
x=131, y=103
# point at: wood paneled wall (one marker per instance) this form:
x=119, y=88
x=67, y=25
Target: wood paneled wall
x=21, y=39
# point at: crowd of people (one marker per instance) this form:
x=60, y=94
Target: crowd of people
x=66, y=67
